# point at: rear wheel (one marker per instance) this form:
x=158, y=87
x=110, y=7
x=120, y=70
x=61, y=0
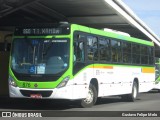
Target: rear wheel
x=91, y=98
x=133, y=96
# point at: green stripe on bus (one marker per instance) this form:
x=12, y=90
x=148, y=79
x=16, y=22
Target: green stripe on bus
x=110, y=34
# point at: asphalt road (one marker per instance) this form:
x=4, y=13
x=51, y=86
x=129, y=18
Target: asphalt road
x=146, y=102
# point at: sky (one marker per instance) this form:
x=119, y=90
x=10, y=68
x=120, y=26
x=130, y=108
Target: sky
x=148, y=11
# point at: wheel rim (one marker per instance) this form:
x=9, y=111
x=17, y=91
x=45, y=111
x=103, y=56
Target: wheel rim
x=89, y=98
x=134, y=91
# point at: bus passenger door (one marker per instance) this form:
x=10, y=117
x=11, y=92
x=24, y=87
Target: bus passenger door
x=79, y=60
x=80, y=69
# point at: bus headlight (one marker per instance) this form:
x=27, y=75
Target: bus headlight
x=12, y=82
x=64, y=82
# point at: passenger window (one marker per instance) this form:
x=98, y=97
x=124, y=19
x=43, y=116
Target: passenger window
x=135, y=54
x=151, y=55
x=126, y=52
x=79, y=54
x=116, y=51
x=104, y=49
x=144, y=55
x=79, y=51
x=92, y=48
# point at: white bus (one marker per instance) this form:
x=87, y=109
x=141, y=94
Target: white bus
x=75, y=62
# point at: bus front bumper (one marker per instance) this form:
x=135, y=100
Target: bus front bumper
x=68, y=92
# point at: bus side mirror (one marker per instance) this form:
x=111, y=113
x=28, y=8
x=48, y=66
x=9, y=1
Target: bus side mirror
x=5, y=45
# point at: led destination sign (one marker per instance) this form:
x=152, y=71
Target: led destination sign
x=42, y=31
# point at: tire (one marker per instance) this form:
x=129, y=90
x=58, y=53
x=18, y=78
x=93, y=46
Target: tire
x=133, y=96
x=91, y=98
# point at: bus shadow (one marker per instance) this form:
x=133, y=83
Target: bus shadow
x=154, y=91
x=33, y=104
x=113, y=99
x=108, y=100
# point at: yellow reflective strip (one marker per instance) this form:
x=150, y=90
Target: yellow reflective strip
x=148, y=70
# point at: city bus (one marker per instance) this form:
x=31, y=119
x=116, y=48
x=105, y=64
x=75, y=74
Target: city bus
x=75, y=62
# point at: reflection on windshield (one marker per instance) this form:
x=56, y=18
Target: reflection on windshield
x=40, y=56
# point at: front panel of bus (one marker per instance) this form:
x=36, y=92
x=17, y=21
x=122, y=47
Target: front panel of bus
x=40, y=63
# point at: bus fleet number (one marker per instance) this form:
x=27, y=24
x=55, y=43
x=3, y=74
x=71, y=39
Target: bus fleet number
x=26, y=85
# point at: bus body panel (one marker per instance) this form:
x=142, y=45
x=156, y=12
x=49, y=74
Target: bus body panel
x=117, y=80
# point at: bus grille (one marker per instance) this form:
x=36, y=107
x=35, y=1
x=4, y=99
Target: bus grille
x=27, y=93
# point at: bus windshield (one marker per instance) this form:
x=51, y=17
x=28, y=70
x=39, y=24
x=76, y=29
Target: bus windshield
x=40, y=56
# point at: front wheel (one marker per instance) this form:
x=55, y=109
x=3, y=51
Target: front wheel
x=91, y=98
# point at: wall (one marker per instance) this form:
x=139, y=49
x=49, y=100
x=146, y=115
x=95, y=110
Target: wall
x=4, y=63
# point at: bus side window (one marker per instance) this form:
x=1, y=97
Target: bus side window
x=79, y=48
x=104, y=49
x=116, y=51
x=135, y=53
x=144, y=55
x=92, y=48
x=79, y=51
x=151, y=55
x=126, y=46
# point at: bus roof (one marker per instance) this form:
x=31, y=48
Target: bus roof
x=75, y=27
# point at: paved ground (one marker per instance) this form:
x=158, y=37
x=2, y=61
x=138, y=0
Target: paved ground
x=146, y=102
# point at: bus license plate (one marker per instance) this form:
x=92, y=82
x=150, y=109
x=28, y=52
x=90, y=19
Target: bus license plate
x=36, y=96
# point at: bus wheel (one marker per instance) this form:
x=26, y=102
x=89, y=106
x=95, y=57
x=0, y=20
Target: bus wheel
x=91, y=98
x=133, y=96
